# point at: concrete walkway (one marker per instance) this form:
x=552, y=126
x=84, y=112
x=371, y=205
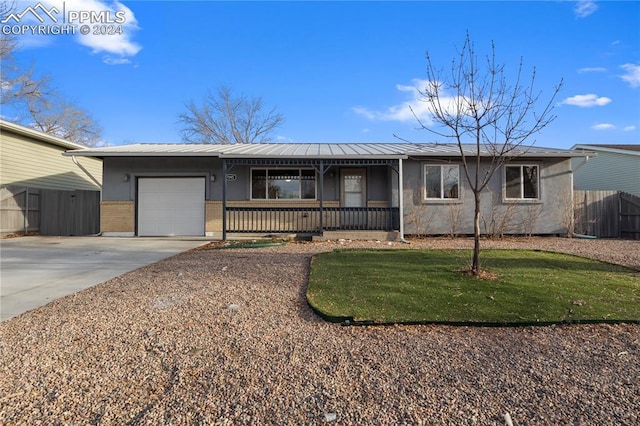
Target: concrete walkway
x=36, y=270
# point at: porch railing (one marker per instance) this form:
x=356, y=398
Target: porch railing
x=307, y=219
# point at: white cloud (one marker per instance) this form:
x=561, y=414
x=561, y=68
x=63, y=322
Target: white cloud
x=414, y=106
x=629, y=128
x=109, y=60
x=586, y=101
x=603, y=126
x=592, y=69
x=584, y=8
x=632, y=75
x=118, y=45
x=400, y=112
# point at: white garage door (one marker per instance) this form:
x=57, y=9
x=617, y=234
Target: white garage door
x=170, y=206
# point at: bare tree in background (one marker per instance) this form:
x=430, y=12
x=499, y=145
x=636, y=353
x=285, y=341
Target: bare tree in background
x=227, y=119
x=32, y=101
x=485, y=115
x=55, y=116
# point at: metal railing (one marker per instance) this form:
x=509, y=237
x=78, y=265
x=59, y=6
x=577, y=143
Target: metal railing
x=308, y=219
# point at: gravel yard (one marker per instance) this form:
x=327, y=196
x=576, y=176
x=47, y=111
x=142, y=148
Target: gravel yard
x=226, y=337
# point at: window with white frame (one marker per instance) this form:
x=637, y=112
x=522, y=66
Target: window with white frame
x=283, y=184
x=522, y=182
x=441, y=181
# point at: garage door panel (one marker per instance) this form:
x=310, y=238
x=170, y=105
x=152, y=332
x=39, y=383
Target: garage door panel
x=171, y=206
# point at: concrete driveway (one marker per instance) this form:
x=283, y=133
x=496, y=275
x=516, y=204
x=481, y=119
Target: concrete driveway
x=36, y=270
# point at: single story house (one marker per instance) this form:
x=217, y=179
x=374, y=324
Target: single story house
x=327, y=190
x=613, y=168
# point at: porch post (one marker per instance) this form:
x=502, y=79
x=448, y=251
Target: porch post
x=224, y=200
x=321, y=194
x=400, y=199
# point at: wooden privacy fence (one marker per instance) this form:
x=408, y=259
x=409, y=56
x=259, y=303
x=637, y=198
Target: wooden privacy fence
x=19, y=210
x=49, y=211
x=607, y=214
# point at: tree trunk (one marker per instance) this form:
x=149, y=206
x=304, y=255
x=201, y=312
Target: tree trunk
x=475, y=266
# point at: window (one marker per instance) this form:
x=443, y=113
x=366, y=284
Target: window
x=441, y=181
x=283, y=184
x=521, y=182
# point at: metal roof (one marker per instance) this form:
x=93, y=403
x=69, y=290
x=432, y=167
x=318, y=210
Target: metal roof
x=312, y=150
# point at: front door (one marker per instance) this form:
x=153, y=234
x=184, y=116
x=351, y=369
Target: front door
x=353, y=195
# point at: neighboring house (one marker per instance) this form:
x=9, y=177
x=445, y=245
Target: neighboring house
x=614, y=167
x=328, y=190
x=43, y=191
x=30, y=158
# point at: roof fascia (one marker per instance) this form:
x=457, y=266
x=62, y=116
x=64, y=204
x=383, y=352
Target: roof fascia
x=605, y=149
x=9, y=127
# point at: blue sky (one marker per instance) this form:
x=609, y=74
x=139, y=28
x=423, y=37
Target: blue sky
x=341, y=71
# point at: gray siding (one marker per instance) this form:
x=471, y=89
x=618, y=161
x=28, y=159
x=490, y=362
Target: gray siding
x=120, y=174
x=609, y=171
x=548, y=215
x=117, y=188
x=27, y=162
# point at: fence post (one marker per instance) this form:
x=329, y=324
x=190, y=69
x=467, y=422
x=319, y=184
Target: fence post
x=619, y=196
x=26, y=212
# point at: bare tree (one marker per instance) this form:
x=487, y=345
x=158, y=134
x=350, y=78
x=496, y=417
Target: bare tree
x=485, y=115
x=32, y=101
x=227, y=119
x=55, y=116
x=16, y=84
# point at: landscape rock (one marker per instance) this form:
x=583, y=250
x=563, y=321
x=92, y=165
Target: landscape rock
x=145, y=348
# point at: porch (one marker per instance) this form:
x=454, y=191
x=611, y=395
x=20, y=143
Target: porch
x=309, y=220
x=356, y=207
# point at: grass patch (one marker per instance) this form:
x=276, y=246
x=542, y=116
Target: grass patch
x=524, y=287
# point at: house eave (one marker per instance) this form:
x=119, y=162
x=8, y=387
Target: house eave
x=9, y=127
x=594, y=149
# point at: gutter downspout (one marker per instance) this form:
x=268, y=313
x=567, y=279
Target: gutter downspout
x=401, y=200
x=571, y=231
x=585, y=161
x=86, y=172
x=321, y=197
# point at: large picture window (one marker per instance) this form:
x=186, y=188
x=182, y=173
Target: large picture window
x=522, y=182
x=283, y=184
x=441, y=181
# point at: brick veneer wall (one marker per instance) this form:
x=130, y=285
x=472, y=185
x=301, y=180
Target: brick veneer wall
x=117, y=216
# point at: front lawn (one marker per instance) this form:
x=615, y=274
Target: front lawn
x=521, y=287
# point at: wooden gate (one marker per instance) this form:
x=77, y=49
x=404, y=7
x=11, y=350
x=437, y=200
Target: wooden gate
x=19, y=210
x=629, y=216
x=607, y=214
x=49, y=211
